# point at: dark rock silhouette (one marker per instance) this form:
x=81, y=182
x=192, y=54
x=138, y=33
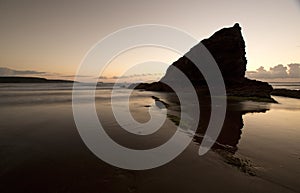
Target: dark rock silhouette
x=227, y=46
x=16, y=79
x=286, y=93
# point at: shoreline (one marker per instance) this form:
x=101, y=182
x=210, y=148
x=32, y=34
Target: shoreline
x=54, y=147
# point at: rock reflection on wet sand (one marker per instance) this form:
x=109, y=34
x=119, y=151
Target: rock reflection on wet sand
x=41, y=150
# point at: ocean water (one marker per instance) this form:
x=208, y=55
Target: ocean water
x=41, y=150
x=286, y=85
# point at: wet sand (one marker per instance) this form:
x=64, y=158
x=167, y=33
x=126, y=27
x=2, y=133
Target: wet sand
x=41, y=151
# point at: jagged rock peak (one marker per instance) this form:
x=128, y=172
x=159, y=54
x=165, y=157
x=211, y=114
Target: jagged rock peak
x=227, y=46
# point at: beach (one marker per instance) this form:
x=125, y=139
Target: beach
x=42, y=151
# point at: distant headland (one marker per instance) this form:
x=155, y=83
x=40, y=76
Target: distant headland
x=18, y=79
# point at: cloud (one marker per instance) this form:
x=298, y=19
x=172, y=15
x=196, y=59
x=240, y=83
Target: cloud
x=73, y=76
x=294, y=71
x=10, y=72
x=279, y=71
x=132, y=76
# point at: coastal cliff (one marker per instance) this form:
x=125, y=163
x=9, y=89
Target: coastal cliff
x=227, y=46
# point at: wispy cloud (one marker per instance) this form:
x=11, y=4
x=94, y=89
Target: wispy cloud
x=10, y=72
x=132, y=76
x=73, y=76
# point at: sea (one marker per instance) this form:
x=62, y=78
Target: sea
x=286, y=85
x=41, y=149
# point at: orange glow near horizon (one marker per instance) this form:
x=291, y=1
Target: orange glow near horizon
x=53, y=37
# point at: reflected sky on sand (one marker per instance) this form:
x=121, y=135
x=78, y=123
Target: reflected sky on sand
x=40, y=148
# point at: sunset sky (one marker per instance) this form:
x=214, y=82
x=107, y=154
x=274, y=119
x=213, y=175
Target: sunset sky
x=54, y=36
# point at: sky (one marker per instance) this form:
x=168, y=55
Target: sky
x=51, y=38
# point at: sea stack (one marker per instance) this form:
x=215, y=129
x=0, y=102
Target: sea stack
x=227, y=46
